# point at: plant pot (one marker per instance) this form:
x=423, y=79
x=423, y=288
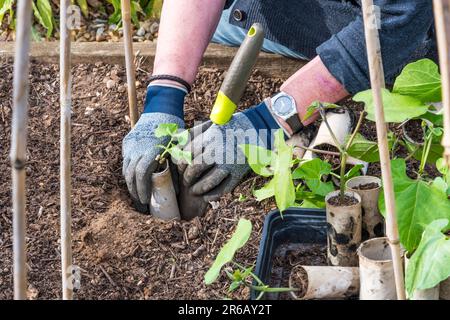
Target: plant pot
x=190, y=205
x=412, y=125
x=372, y=220
x=427, y=294
x=344, y=230
x=444, y=290
x=163, y=201
x=341, y=123
x=324, y=282
x=298, y=227
x=376, y=270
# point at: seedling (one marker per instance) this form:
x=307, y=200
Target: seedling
x=276, y=164
x=342, y=147
x=240, y=276
x=173, y=147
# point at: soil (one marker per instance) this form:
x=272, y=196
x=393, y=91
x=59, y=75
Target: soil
x=122, y=254
x=332, y=159
x=287, y=256
x=346, y=202
x=299, y=280
x=413, y=129
x=367, y=186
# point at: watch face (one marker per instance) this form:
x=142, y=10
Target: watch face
x=283, y=106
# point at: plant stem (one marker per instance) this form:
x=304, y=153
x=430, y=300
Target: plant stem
x=425, y=153
x=342, y=176
x=166, y=150
x=358, y=126
x=331, y=153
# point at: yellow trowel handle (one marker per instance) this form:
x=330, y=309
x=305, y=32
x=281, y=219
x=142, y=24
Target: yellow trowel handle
x=236, y=78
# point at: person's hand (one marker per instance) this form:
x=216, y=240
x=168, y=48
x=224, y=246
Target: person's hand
x=140, y=145
x=218, y=163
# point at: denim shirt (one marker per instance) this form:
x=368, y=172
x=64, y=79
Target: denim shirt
x=334, y=29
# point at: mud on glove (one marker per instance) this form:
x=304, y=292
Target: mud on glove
x=164, y=104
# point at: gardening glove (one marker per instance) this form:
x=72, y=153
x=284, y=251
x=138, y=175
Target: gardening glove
x=218, y=163
x=163, y=104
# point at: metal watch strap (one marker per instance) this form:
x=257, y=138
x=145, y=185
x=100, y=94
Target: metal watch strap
x=295, y=123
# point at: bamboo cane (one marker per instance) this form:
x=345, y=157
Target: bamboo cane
x=442, y=20
x=377, y=83
x=19, y=145
x=65, y=149
x=129, y=61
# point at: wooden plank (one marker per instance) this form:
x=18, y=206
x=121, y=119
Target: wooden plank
x=217, y=56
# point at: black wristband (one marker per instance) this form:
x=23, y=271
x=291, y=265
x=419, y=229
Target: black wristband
x=171, y=78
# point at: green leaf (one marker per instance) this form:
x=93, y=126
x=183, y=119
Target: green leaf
x=282, y=178
x=315, y=106
x=364, y=149
x=418, y=203
x=436, y=151
x=84, y=7
x=266, y=192
x=443, y=169
x=5, y=6
x=420, y=80
x=182, y=137
x=226, y=254
x=258, y=158
x=430, y=264
x=242, y=198
x=397, y=108
x=166, y=129
x=312, y=172
x=355, y=171
x=234, y=285
x=43, y=13
x=135, y=9
x=180, y=155
x=116, y=16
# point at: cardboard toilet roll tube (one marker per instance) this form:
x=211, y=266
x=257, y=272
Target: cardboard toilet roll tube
x=344, y=231
x=444, y=290
x=163, y=201
x=317, y=282
x=372, y=220
x=376, y=270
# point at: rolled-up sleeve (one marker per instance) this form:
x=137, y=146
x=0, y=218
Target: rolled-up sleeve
x=404, y=27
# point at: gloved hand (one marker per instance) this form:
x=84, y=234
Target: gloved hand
x=218, y=163
x=164, y=104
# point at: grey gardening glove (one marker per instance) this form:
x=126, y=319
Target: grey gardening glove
x=139, y=150
x=164, y=104
x=218, y=162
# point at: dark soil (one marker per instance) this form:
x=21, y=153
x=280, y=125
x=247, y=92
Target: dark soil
x=287, y=256
x=122, y=254
x=367, y=186
x=346, y=202
x=299, y=280
x=332, y=159
x=413, y=129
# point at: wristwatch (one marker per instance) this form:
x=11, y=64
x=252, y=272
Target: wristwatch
x=283, y=106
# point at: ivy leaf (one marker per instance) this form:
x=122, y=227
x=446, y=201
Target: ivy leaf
x=430, y=264
x=420, y=80
x=418, y=203
x=226, y=254
x=397, y=108
x=283, y=184
x=258, y=158
x=166, y=129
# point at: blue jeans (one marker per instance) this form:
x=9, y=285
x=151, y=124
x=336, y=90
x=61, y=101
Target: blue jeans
x=230, y=35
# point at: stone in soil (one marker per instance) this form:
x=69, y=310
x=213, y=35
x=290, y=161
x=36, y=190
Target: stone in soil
x=345, y=202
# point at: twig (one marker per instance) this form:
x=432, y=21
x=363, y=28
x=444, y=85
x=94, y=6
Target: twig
x=330, y=153
x=108, y=277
